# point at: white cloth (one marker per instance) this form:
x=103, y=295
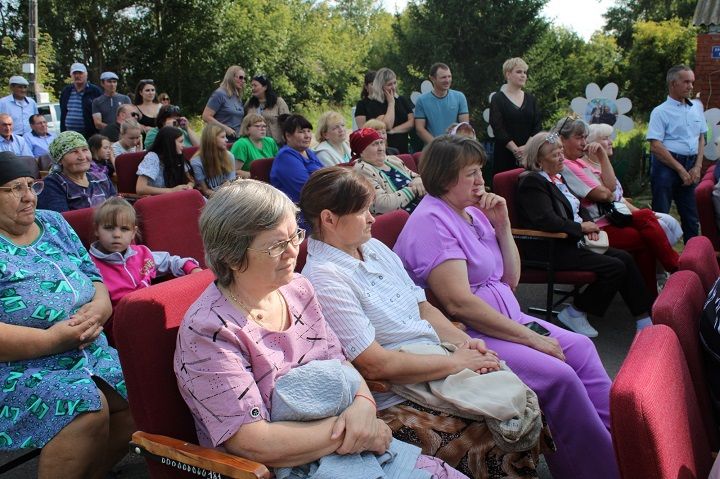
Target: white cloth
x=670, y=226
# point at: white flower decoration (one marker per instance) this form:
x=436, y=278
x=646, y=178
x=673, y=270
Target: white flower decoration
x=425, y=87
x=486, y=117
x=603, y=107
x=712, y=118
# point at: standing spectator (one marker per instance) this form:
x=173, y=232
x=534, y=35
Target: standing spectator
x=104, y=107
x=164, y=99
x=253, y=144
x=76, y=102
x=146, y=103
x=367, y=84
x=39, y=138
x=18, y=105
x=386, y=105
x=9, y=141
x=225, y=108
x=440, y=107
x=265, y=102
x=514, y=117
x=124, y=112
x=677, y=140
x=130, y=138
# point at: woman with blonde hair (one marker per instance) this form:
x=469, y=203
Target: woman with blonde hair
x=333, y=147
x=253, y=144
x=212, y=165
x=225, y=107
x=384, y=103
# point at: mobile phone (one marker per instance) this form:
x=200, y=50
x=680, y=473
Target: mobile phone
x=538, y=328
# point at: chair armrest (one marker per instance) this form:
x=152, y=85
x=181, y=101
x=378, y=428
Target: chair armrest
x=523, y=233
x=187, y=457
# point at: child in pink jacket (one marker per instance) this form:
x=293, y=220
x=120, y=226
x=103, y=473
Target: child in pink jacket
x=126, y=267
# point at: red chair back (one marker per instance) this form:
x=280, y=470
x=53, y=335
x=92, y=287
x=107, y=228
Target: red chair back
x=699, y=256
x=409, y=161
x=417, y=156
x=655, y=420
x=505, y=185
x=387, y=227
x=82, y=222
x=302, y=257
x=169, y=222
x=679, y=306
x=189, y=152
x=706, y=212
x=126, y=166
x=260, y=169
x=145, y=328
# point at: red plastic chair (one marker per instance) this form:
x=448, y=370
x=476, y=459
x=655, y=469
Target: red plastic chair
x=82, y=222
x=706, y=212
x=260, y=169
x=697, y=256
x=679, y=306
x=657, y=428
x=536, y=272
x=146, y=325
x=189, y=152
x=169, y=222
x=409, y=161
x=126, y=166
x=302, y=257
x=387, y=227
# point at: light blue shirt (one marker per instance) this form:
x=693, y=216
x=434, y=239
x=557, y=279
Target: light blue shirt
x=678, y=125
x=20, y=111
x=39, y=145
x=16, y=144
x=440, y=113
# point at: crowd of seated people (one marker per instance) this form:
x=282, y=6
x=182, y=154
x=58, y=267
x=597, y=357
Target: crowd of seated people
x=366, y=299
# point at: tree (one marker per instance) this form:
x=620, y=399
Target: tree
x=621, y=18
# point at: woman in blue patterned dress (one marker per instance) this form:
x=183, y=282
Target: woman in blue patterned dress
x=61, y=386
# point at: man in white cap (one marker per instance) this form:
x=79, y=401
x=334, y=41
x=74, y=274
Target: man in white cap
x=104, y=107
x=9, y=141
x=76, y=102
x=18, y=105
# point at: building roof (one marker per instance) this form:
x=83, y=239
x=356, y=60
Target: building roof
x=707, y=12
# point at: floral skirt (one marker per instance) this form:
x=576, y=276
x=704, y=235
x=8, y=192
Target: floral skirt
x=465, y=445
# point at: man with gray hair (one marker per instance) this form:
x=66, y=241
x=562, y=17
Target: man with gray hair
x=9, y=141
x=124, y=112
x=677, y=140
x=18, y=105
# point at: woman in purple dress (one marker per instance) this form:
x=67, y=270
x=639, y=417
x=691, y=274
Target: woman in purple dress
x=458, y=243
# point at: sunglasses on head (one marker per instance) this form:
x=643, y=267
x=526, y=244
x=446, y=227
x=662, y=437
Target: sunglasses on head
x=173, y=110
x=148, y=81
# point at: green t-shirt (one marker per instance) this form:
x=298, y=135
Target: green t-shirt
x=245, y=151
x=152, y=133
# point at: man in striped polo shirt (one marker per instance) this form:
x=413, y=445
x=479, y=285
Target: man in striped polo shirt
x=76, y=102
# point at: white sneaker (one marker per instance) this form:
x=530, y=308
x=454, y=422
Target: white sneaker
x=578, y=324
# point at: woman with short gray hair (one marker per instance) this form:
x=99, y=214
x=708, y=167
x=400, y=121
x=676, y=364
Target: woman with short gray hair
x=254, y=325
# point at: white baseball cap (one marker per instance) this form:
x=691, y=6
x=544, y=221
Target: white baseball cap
x=18, y=80
x=78, y=67
x=108, y=76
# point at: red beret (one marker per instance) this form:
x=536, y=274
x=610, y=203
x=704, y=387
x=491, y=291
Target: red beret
x=361, y=139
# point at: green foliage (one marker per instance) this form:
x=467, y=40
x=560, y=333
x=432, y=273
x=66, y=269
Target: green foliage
x=621, y=18
x=657, y=46
x=630, y=159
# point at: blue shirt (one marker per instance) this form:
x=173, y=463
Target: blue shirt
x=16, y=144
x=20, y=111
x=74, y=119
x=39, y=145
x=440, y=113
x=290, y=171
x=678, y=125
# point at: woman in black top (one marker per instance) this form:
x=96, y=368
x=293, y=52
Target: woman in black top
x=385, y=104
x=514, y=117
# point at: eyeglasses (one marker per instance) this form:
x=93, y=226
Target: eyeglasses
x=19, y=189
x=135, y=115
x=148, y=81
x=279, y=248
x=240, y=77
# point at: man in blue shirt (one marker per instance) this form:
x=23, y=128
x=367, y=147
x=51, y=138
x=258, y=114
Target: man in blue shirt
x=439, y=108
x=18, y=105
x=76, y=102
x=9, y=141
x=677, y=140
x=39, y=138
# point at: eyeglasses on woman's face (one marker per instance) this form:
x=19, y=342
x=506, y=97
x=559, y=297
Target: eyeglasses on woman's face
x=279, y=248
x=21, y=188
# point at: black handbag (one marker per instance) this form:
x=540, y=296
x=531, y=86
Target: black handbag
x=616, y=212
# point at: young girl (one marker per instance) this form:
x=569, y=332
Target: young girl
x=130, y=138
x=164, y=169
x=212, y=165
x=103, y=158
x=127, y=267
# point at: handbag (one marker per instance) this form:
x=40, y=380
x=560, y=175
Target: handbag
x=599, y=246
x=616, y=212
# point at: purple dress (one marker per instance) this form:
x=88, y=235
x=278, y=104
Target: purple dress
x=575, y=394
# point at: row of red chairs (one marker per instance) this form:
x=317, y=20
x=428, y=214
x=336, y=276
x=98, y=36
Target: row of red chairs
x=662, y=418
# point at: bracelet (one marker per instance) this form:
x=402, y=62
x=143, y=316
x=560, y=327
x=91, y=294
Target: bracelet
x=368, y=398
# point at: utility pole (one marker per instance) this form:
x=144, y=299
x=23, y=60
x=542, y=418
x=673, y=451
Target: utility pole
x=31, y=67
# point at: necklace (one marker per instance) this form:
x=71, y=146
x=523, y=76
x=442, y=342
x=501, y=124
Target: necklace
x=257, y=317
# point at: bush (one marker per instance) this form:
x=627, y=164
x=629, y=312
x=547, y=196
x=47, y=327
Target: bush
x=631, y=159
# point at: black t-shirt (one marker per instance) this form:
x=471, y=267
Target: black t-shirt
x=403, y=107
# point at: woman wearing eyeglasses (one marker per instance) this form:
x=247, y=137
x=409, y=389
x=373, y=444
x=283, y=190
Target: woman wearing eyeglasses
x=63, y=384
x=71, y=185
x=146, y=103
x=253, y=144
x=545, y=203
x=255, y=324
x=265, y=102
x=225, y=108
x=169, y=115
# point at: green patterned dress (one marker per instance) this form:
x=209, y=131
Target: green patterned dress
x=41, y=284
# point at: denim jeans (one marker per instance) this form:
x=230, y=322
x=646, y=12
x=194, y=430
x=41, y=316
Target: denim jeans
x=667, y=186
